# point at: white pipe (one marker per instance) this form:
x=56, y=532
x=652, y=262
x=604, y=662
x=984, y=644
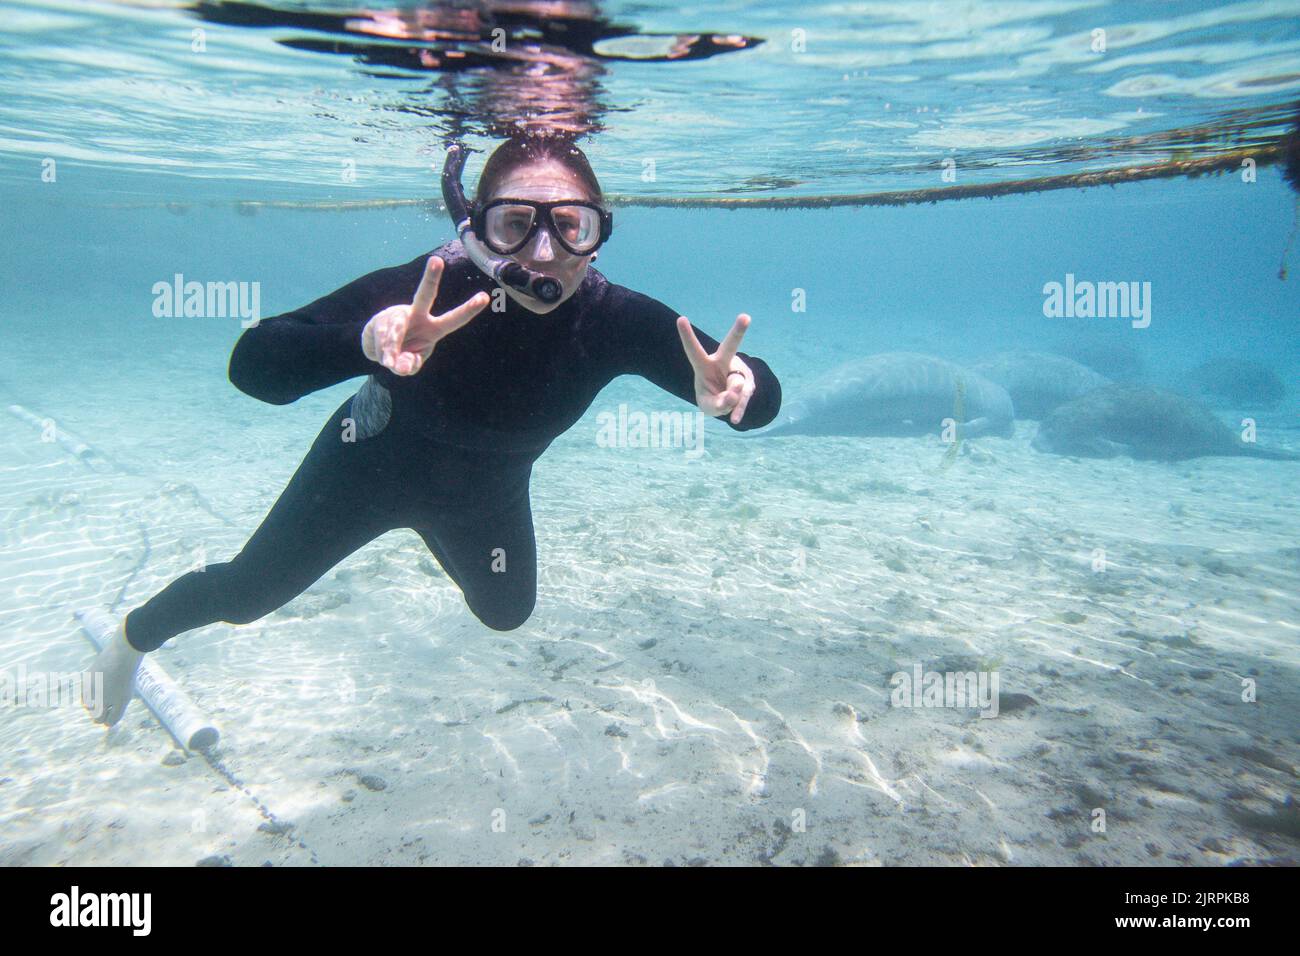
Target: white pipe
x=71, y=443
x=162, y=695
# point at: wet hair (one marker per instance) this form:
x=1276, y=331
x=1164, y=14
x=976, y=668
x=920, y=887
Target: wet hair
x=527, y=148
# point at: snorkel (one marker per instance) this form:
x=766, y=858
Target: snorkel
x=505, y=271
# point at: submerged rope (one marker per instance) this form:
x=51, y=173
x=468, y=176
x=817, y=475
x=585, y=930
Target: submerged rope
x=958, y=416
x=135, y=571
x=1222, y=163
x=1290, y=242
x=274, y=824
x=1263, y=155
x=90, y=457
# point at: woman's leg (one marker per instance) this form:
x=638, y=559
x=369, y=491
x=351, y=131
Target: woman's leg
x=492, y=557
x=330, y=508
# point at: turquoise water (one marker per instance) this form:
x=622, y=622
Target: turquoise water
x=708, y=672
x=245, y=101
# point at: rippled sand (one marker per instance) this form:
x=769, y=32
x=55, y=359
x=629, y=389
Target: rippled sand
x=706, y=677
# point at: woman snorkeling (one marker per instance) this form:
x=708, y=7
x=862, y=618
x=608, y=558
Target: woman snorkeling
x=460, y=400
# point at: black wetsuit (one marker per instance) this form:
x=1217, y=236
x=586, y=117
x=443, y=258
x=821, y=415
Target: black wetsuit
x=447, y=452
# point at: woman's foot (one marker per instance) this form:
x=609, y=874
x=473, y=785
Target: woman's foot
x=115, y=665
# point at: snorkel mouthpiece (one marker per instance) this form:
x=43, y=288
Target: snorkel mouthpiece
x=538, y=286
x=506, y=271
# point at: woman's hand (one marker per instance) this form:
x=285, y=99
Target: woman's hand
x=402, y=337
x=723, y=382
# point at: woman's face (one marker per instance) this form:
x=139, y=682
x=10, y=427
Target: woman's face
x=545, y=181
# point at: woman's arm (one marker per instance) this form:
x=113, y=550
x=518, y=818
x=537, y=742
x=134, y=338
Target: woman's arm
x=646, y=343
x=288, y=356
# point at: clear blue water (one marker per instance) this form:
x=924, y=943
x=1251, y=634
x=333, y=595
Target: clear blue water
x=737, y=620
x=819, y=99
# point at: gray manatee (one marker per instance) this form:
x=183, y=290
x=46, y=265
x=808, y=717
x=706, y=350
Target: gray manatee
x=1118, y=360
x=897, y=393
x=1038, y=381
x=1239, y=381
x=1143, y=423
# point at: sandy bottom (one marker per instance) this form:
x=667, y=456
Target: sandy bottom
x=706, y=678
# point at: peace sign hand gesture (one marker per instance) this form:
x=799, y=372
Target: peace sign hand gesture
x=402, y=337
x=716, y=390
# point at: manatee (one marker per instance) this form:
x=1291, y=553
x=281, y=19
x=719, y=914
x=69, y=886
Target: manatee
x=1239, y=381
x=1117, y=361
x=1038, y=381
x=1144, y=423
x=897, y=393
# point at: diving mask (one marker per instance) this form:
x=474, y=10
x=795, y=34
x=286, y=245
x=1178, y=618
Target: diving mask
x=507, y=225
